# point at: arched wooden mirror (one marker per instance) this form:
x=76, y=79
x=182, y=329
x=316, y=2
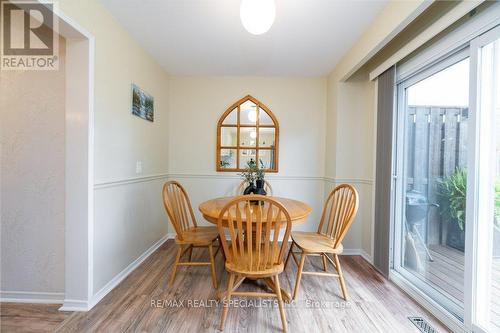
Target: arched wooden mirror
x=247, y=130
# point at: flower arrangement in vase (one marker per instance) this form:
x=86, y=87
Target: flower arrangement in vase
x=254, y=176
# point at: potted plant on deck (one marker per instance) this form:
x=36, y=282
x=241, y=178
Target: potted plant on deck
x=452, y=192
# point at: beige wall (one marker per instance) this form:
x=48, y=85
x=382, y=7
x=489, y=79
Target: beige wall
x=32, y=136
x=121, y=139
x=350, y=134
x=351, y=113
x=129, y=216
x=394, y=17
x=196, y=103
x=355, y=128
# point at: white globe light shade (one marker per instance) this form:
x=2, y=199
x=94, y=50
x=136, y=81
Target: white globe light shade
x=257, y=16
x=252, y=116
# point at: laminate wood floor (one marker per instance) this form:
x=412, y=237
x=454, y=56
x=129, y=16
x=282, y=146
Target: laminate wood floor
x=144, y=303
x=20, y=317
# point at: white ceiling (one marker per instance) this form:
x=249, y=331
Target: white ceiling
x=205, y=37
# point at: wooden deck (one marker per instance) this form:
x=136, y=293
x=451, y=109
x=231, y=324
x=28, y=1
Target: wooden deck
x=446, y=274
x=495, y=295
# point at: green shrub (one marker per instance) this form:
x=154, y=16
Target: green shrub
x=453, y=192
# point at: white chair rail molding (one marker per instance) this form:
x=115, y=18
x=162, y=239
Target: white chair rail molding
x=250, y=166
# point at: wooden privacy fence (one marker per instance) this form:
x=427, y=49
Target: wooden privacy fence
x=437, y=145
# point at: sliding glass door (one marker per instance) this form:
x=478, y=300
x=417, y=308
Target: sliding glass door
x=446, y=220
x=433, y=120
x=485, y=214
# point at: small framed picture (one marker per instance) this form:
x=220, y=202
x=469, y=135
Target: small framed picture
x=142, y=103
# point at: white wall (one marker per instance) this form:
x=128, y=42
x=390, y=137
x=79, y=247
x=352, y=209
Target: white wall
x=128, y=212
x=32, y=105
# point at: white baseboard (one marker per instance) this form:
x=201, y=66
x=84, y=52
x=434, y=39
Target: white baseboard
x=358, y=252
x=123, y=274
x=31, y=297
x=74, y=305
x=366, y=256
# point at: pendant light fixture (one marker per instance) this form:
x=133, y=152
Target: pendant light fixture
x=257, y=16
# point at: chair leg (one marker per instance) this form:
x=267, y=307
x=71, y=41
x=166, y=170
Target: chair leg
x=324, y=261
x=221, y=249
x=190, y=256
x=226, y=301
x=289, y=254
x=341, y=276
x=299, y=274
x=212, y=265
x=280, y=302
x=174, y=271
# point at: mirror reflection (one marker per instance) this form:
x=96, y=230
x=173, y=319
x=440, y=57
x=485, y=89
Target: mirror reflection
x=248, y=113
x=229, y=136
x=245, y=156
x=266, y=137
x=247, y=131
x=248, y=136
x=228, y=158
x=232, y=118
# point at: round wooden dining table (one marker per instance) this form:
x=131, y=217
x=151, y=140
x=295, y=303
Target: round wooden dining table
x=298, y=211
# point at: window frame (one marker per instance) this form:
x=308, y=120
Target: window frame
x=445, y=304
x=478, y=235
x=239, y=126
x=473, y=256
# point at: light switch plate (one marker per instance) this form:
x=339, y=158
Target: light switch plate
x=138, y=167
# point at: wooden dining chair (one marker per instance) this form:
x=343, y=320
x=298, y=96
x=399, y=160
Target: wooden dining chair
x=267, y=187
x=189, y=234
x=338, y=213
x=252, y=249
